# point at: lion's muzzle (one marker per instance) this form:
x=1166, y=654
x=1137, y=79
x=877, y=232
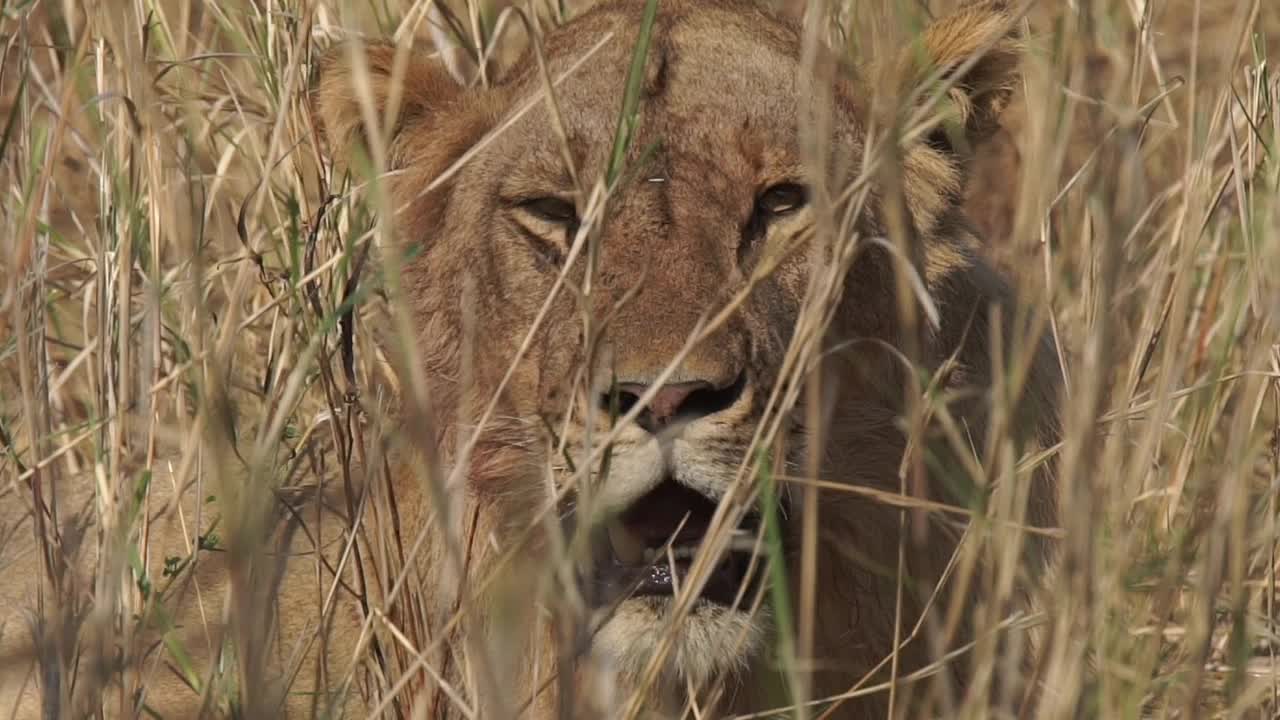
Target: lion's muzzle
x=649, y=549
x=674, y=402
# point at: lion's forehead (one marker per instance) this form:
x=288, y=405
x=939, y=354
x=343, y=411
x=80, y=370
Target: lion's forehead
x=708, y=77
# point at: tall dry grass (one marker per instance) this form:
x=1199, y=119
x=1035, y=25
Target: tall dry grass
x=189, y=300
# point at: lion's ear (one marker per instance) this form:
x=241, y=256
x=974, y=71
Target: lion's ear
x=977, y=51
x=369, y=93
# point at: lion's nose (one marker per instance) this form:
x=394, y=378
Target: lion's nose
x=675, y=401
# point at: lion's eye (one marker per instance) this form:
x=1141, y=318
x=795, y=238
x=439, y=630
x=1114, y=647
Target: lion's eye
x=551, y=209
x=781, y=199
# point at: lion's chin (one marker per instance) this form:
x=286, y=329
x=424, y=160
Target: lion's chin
x=713, y=641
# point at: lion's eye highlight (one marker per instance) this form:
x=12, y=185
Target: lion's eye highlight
x=551, y=209
x=782, y=199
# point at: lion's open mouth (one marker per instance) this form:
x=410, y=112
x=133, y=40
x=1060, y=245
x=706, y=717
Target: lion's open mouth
x=648, y=550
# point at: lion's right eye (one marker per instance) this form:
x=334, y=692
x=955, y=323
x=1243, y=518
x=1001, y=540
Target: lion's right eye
x=551, y=209
x=548, y=223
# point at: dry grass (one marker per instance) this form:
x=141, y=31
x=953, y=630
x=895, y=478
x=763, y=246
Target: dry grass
x=186, y=299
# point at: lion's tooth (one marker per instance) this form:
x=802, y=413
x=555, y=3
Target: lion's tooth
x=627, y=548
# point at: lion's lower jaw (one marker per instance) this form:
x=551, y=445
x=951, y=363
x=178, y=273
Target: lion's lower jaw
x=712, y=643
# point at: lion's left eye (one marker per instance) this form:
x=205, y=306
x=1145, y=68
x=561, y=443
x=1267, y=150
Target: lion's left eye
x=551, y=209
x=782, y=199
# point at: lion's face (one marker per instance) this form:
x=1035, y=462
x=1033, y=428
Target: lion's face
x=713, y=182
x=710, y=210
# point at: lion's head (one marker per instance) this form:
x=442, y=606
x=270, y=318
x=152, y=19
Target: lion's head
x=641, y=312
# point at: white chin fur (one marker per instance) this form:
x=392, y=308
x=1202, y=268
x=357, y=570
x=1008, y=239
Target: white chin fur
x=712, y=641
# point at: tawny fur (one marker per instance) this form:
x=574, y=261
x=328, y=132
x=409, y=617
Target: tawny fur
x=722, y=106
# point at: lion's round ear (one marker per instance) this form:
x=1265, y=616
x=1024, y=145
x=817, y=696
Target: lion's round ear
x=977, y=50
x=445, y=29
x=370, y=93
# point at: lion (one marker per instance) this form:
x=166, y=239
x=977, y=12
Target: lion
x=586, y=368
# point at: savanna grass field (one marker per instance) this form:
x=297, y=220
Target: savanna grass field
x=198, y=318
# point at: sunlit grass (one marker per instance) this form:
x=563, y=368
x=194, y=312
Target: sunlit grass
x=192, y=306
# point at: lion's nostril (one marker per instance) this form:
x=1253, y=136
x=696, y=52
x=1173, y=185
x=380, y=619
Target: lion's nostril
x=710, y=400
x=626, y=400
x=685, y=401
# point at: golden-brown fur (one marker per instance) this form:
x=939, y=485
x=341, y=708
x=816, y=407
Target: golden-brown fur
x=669, y=254
x=719, y=116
